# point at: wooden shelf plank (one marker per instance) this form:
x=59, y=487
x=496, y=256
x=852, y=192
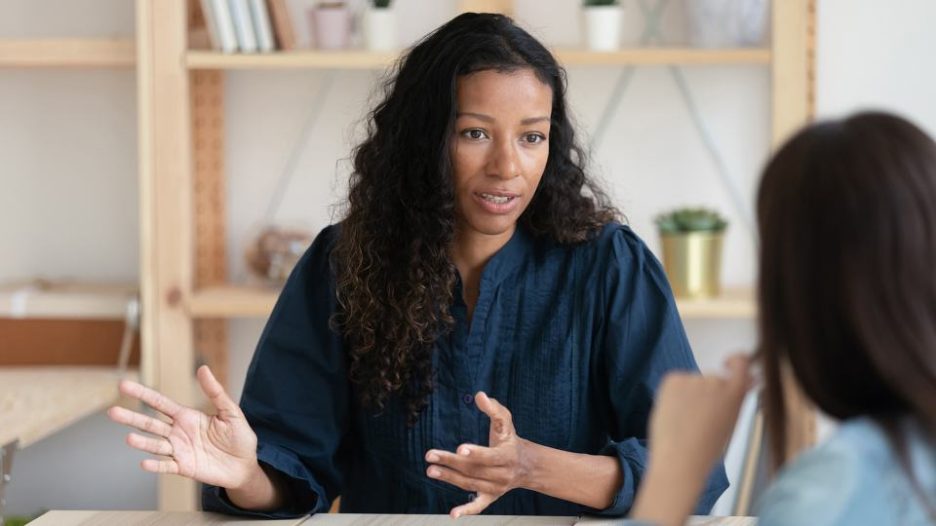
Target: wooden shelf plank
x=310, y=59
x=663, y=56
x=36, y=402
x=251, y=302
x=734, y=303
x=290, y=60
x=67, y=52
x=65, y=300
x=233, y=302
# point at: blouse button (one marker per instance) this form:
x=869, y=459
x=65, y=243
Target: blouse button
x=468, y=399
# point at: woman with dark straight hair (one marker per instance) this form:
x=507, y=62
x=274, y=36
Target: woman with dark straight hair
x=475, y=257
x=847, y=220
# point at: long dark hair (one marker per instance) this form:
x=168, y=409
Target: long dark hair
x=847, y=217
x=395, y=280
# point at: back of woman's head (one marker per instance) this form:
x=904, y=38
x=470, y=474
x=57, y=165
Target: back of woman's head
x=847, y=218
x=394, y=275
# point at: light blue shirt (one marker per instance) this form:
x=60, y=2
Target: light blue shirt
x=855, y=478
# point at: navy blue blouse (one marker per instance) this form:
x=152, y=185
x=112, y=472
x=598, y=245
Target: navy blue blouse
x=573, y=340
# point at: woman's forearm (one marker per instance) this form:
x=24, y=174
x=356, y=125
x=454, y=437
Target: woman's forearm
x=261, y=492
x=590, y=480
x=668, y=494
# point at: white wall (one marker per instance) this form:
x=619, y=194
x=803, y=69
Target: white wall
x=68, y=203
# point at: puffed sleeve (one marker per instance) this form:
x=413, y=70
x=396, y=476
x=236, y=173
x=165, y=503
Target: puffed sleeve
x=643, y=340
x=296, y=396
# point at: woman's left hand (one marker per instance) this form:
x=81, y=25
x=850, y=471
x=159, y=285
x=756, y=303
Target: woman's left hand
x=489, y=472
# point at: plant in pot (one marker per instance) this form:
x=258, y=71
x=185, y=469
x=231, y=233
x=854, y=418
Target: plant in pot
x=692, y=241
x=602, y=24
x=380, y=26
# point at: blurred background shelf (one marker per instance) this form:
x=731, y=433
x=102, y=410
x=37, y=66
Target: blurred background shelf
x=67, y=53
x=65, y=300
x=233, y=301
x=36, y=402
x=733, y=303
x=308, y=59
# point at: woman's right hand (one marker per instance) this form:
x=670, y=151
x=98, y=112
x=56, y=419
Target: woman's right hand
x=220, y=450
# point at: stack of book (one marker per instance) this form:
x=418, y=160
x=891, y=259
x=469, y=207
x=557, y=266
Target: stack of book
x=248, y=26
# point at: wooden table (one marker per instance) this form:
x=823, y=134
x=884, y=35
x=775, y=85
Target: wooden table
x=156, y=518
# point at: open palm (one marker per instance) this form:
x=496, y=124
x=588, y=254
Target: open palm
x=220, y=450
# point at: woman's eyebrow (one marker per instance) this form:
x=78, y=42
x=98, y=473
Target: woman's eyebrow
x=488, y=118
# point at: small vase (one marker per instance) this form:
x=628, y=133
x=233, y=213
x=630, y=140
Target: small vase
x=380, y=29
x=602, y=27
x=692, y=262
x=726, y=23
x=331, y=26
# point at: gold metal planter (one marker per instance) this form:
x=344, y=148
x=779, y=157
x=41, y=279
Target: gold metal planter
x=693, y=263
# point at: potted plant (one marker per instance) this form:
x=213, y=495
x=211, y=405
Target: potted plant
x=331, y=25
x=602, y=24
x=380, y=33
x=692, y=249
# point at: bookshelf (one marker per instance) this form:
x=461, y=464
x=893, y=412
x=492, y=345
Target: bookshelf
x=185, y=286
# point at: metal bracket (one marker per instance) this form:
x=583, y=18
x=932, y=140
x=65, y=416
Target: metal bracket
x=6, y=465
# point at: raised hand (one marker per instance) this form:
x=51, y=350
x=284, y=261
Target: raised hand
x=220, y=450
x=690, y=426
x=694, y=415
x=489, y=472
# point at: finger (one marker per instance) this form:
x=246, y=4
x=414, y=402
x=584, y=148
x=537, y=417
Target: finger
x=501, y=420
x=140, y=421
x=215, y=392
x=460, y=480
x=156, y=446
x=151, y=397
x=474, y=507
x=160, y=466
x=465, y=456
x=475, y=465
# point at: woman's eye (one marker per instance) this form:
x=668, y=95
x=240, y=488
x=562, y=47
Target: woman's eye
x=534, y=138
x=474, y=134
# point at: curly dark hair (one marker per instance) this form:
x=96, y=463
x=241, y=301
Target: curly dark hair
x=395, y=279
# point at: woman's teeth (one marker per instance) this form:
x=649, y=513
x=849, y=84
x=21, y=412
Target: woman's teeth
x=497, y=199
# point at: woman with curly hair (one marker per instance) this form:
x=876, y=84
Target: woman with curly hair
x=477, y=334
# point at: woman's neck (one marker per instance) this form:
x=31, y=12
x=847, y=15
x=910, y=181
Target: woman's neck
x=470, y=252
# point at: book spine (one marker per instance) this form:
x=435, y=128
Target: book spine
x=262, y=26
x=225, y=26
x=243, y=26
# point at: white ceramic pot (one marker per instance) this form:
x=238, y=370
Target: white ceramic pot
x=380, y=29
x=602, y=27
x=726, y=23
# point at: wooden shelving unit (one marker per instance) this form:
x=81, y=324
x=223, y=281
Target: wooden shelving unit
x=67, y=53
x=184, y=278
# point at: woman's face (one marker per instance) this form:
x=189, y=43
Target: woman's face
x=500, y=148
